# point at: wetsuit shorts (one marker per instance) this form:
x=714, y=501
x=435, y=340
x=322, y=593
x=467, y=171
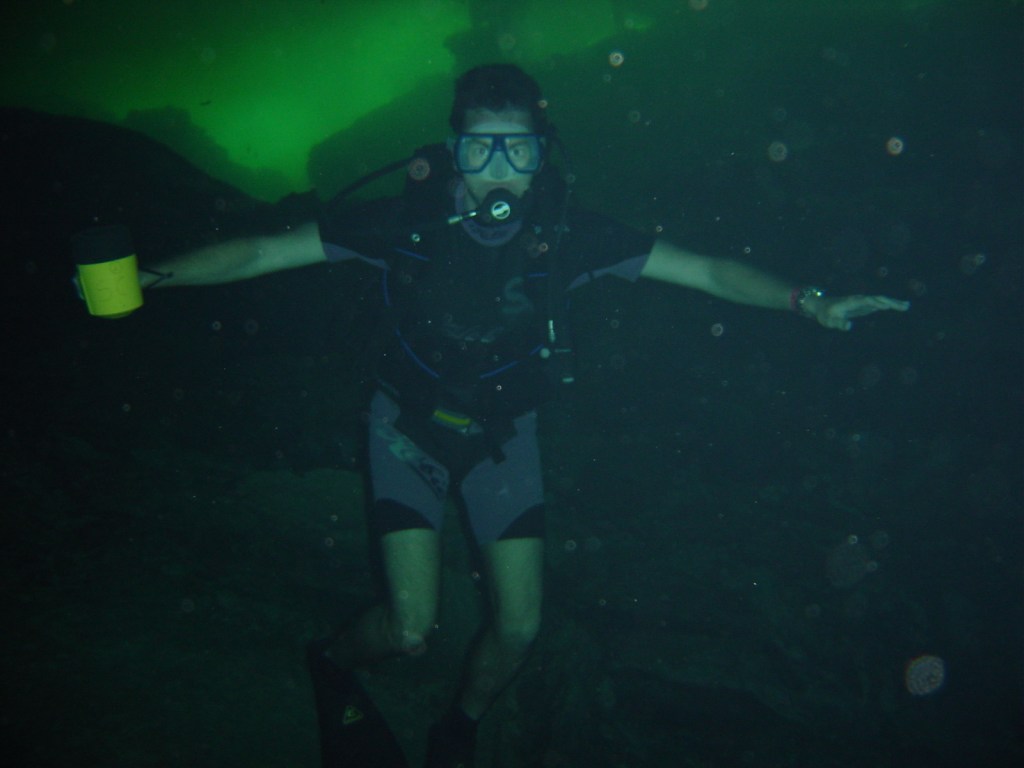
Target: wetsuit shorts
x=503, y=499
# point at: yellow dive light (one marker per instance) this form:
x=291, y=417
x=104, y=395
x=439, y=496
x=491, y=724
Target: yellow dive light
x=108, y=272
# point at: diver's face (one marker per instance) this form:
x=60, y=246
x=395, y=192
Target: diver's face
x=498, y=173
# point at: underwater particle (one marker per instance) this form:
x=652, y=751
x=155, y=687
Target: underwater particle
x=698, y=5
x=812, y=611
x=419, y=168
x=328, y=542
x=126, y=408
x=917, y=287
x=216, y=325
x=251, y=327
x=506, y=41
x=633, y=116
x=970, y=263
x=777, y=151
x=924, y=675
x=879, y=540
x=187, y=606
x=717, y=330
x=178, y=394
x=616, y=58
x=870, y=376
x=894, y=146
x=570, y=545
x=848, y=563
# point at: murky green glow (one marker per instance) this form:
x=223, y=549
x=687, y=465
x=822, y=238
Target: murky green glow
x=265, y=81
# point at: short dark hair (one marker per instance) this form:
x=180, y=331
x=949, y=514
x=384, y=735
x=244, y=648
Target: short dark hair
x=498, y=87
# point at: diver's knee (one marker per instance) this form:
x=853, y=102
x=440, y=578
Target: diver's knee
x=518, y=636
x=408, y=634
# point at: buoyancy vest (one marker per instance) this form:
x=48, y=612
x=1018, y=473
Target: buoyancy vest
x=471, y=324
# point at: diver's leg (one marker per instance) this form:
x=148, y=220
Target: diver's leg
x=400, y=625
x=505, y=503
x=515, y=573
x=409, y=488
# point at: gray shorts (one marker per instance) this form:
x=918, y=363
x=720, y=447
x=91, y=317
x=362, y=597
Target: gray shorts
x=495, y=494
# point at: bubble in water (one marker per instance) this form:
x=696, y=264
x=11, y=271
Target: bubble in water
x=419, y=169
x=251, y=327
x=777, y=151
x=633, y=116
x=698, y=5
x=894, y=146
x=570, y=545
x=616, y=58
x=717, y=330
x=924, y=675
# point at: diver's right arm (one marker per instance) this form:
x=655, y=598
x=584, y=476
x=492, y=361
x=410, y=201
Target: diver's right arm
x=238, y=259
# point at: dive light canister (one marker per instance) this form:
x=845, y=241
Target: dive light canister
x=108, y=271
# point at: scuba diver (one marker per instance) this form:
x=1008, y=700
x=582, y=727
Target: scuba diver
x=478, y=258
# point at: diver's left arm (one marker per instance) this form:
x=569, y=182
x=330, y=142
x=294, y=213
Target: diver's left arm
x=733, y=281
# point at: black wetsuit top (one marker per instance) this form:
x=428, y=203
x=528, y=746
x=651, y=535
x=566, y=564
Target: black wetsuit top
x=467, y=320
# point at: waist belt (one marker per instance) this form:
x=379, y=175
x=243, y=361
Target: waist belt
x=455, y=421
